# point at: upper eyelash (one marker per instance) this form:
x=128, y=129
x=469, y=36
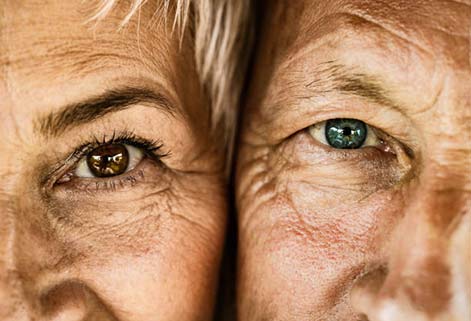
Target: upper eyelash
x=152, y=148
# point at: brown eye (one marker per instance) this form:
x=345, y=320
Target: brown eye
x=109, y=160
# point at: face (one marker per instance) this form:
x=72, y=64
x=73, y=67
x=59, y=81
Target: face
x=353, y=174
x=112, y=197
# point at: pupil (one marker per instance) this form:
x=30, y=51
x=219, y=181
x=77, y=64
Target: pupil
x=108, y=160
x=345, y=133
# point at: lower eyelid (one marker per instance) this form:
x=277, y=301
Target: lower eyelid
x=389, y=151
x=109, y=184
x=144, y=172
x=312, y=155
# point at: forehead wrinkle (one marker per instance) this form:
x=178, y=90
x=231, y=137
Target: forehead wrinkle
x=448, y=15
x=74, y=47
x=357, y=28
x=339, y=26
x=333, y=75
x=79, y=56
x=365, y=27
x=75, y=60
x=432, y=34
x=427, y=27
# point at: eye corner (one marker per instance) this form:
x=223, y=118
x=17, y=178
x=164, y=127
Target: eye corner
x=409, y=152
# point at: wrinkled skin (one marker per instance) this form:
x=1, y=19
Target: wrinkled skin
x=141, y=246
x=378, y=233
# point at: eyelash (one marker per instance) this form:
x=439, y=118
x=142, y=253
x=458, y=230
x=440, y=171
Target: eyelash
x=152, y=149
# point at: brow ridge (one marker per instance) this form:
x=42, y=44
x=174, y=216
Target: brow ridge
x=332, y=76
x=114, y=100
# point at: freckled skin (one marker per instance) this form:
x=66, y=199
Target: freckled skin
x=142, y=246
x=374, y=234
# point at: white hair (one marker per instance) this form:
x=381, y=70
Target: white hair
x=222, y=31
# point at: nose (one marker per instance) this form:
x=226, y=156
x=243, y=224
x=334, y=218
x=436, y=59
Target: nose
x=29, y=289
x=428, y=273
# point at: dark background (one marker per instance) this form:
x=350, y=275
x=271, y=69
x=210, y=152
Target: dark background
x=226, y=297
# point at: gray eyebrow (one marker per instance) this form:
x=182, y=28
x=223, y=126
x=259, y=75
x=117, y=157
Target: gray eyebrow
x=332, y=76
x=72, y=115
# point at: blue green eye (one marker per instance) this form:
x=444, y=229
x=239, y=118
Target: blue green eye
x=344, y=133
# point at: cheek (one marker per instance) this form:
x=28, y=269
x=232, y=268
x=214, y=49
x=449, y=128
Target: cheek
x=294, y=244
x=143, y=220
x=160, y=262
x=158, y=254
x=328, y=232
x=313, y=226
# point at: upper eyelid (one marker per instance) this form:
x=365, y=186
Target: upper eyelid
x=333, y=77
x=302, y=112
x=340, y=78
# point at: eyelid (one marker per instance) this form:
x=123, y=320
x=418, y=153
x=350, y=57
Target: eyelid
x=146, y=174
x=63, y=171
x=301, y=113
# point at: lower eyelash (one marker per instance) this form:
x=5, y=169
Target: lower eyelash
x=110, y=184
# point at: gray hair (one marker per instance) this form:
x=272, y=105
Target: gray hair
x=222, y=32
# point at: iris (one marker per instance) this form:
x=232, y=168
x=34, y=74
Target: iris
x=345, y=133
x=108, y=160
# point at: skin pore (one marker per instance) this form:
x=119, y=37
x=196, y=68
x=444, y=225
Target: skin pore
x=376, y=233
x=142, y=245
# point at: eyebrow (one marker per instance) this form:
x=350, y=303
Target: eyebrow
x=332, y=76
x=114, y=100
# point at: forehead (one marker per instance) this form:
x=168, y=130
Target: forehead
x=53, y=47
x=408, y=47
x=439, y=27
x=40, y=36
